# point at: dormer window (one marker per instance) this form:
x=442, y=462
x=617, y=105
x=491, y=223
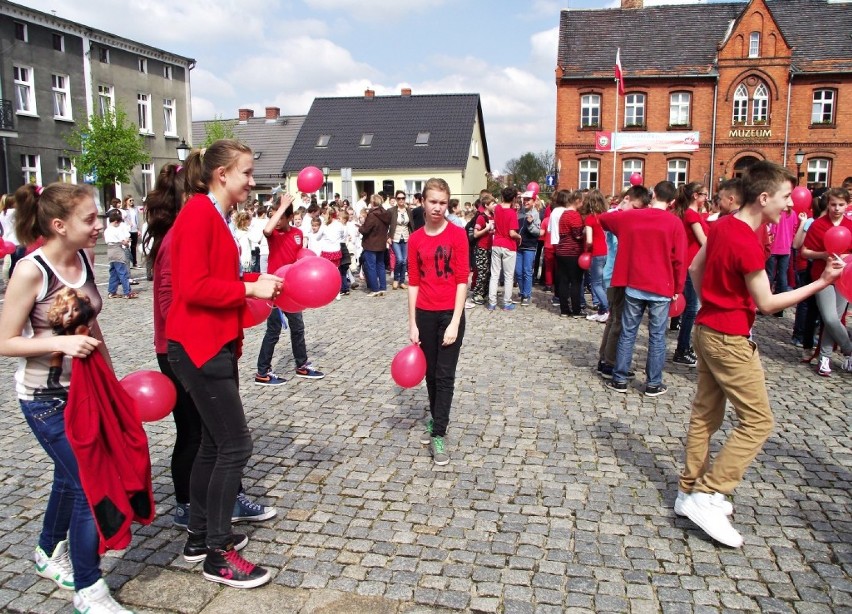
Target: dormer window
x=366, y=140
x=422, y=138
x=323, y=140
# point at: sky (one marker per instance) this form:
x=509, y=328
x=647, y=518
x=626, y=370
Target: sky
x=284, y=53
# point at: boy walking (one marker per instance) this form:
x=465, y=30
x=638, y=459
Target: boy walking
x=729, y=276
x=117, y=237
x=504, y=250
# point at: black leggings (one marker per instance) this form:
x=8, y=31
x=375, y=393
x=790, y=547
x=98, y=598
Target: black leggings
x=570, y=284
x=441, y=364
x=226, y=443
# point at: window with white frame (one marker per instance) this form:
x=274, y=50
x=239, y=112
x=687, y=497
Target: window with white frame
x=413, y=186
x=754, y=45
x=822, y=111
x=167, y=71
x=58, y=42
x=679, y=104
x=143, y=113
x=634, y=110
x=103, y=55
x=677, y=171
x=106, y=99
x=760, y=105
x=22, y=32
x=24, y=90
x=474, y=148
x=590, y=111
x=31, y=168
x=628, y=167
x=61, y=96
x=65, y=170
x=323, y=140
x=818, y=170
x=366, y=140
x=589, y=173
x=740, y=104
x=147, y=178
x=143, y=64
x=422, y=139
x=169, y=127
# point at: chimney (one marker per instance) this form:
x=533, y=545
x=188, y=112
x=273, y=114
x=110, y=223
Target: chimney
x=272, y=113
x=369, y=94
x=246, y=114
x=406, y=91
x=632, y=4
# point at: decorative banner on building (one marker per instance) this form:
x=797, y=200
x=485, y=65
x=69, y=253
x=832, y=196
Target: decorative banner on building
x=642, y=142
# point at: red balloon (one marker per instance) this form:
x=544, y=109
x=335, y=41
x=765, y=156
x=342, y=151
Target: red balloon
x=585, y=261
x=837, y=240
x=305, y=253
x=533, y=187
x=8, y=248
x=312, y=282
x=636, y=179
x=256, y=311
x=408, y=367
x=844, y=284
x=282, y=271
x=801, y=196
x=310, y=179
x=286, y=303
x=677, y=306
x=153, y=393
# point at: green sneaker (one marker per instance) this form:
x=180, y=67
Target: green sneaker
x=439, y=454
x=426, y=437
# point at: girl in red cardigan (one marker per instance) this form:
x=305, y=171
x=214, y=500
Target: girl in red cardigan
x=204, y=333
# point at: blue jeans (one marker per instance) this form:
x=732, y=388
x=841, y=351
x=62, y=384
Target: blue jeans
x=631, y=318
x=597, y=283
x=687, y=318
x=400, y=252
x=67, y=508
x=296, y=324
x=118, y=274
x=374, y=270
x=776, y=271
x=524, y=271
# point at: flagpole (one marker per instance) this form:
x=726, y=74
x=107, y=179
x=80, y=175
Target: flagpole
x=615, y=134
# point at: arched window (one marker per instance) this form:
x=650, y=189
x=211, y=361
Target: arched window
x=760, y=105
x=740, y=104
x=751, y=102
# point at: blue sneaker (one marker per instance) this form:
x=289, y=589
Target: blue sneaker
x=270, y=379
x=181, y=518
x=509, y=307
x=246, y=510
x=308, y=373
x=491, y=306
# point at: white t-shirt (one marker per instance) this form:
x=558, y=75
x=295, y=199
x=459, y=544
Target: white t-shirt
x=116, y=234
x=333, y=235
x=553, y=225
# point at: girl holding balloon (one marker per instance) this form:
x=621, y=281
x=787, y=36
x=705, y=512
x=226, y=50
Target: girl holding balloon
x=66, y=218
x=204, y=333
x=831, y=235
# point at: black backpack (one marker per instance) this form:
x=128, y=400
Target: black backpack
x=470, y=227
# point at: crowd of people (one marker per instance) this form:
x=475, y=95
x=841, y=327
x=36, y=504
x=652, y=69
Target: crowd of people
x=210, y=249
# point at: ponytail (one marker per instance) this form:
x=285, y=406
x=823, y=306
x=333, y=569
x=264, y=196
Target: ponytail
x=685, y=194
x=201, y=163
x=37, y=207
x=162, y=205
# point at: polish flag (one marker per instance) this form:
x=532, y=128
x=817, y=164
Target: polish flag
x=619, y=74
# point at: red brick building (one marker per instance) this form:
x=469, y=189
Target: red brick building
x=766, y=79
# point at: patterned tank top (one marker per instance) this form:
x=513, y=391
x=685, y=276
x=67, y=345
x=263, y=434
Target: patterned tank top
x=61, y=307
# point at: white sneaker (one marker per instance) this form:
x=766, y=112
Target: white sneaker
x=847, y=364
x=593, y=317
x=95, y=599
x=824, y=366
x=56, y=567
x=722, y=502
x=603, y=317
x=701, y=509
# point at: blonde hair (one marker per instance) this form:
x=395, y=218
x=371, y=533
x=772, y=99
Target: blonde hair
x=201, y=164
x=242, y=220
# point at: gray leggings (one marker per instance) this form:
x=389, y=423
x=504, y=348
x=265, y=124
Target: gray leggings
x=831, y=306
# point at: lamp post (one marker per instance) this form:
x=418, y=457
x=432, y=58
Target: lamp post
x=183, y=151
x=800, y=157
x=325, y=170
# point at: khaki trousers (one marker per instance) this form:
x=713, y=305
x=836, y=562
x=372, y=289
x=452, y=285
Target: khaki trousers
x=728, y=369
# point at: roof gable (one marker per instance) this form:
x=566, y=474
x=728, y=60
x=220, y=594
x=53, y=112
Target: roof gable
x=394, y=123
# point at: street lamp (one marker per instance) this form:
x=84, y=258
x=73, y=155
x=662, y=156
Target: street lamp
x=800, y=157
x=325, y=171
x=183, y=150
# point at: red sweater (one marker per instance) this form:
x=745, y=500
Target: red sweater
x=208, y=297
x=437, y=265
x=651, y=250
x=815, y=240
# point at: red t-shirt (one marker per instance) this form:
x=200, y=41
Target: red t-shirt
x=437, y=265
x=690, y=217
x=598, y=238
x=483, y=242
x=815, y=240
x=733, y=251
x=505, y=219
x=283, y=247
x=571, y=239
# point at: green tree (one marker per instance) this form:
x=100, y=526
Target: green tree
x=530, y=167
x=110, y=146
x=217, y=129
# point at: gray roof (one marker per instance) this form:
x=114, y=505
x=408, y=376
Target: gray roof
x=394, y=122
x=676, y=40
x=271, y=139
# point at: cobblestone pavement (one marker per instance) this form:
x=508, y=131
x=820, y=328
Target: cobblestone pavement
x=558, y=496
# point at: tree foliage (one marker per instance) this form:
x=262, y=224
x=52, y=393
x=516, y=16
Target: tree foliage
x=110, y=146
x=216, y=130
x=530, y=167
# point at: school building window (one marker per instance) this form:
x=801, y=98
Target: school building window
x=590, y=111
x=818, y=169
x=754, y=45
x=24, y=90
x=589, y=174
x=677, y=171
x=31, y=168
x=628, y=167
x=679, y=104
x=751, y=106
x=822, y=111
x=143, y=113
x=634, y=110
x=61, y=97
x=169, y=117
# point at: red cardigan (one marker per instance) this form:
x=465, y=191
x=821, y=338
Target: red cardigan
x=208, y=297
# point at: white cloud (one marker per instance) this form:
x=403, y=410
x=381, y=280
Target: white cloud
x=368, y=10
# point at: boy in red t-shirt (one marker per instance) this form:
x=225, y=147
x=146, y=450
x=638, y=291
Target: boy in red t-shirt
x=285, y=242
x=729, y=275
x=438, y=266
x=483, y=231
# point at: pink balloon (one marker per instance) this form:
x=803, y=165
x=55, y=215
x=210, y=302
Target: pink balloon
x=533, y=187
x=305, y=253
x=310, y=179
x=282, y=271
x=837, y=240
x=312, y=282
x=636, y=179
x=844, y=284
x=801, y=197
x=286, y=303
x=153, y=393
x=408, y=367
x=256, y=311
x=677, y=306
x=585, y=261
x=8, y=248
